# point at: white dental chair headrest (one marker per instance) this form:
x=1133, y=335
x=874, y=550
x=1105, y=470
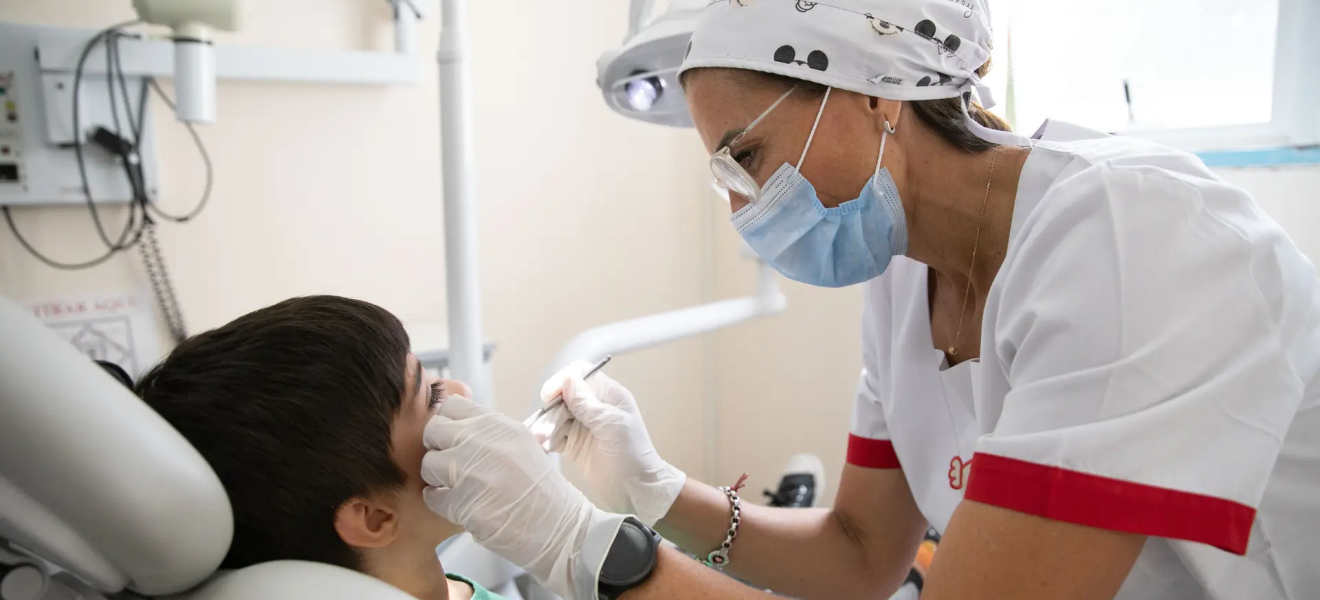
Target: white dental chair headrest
x=92, y=479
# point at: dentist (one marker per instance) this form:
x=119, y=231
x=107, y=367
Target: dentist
x=1088, y=362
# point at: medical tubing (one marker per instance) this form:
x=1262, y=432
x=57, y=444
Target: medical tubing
x=77, y=135
x=206, y=162
x=133, y=225
x=22, y=241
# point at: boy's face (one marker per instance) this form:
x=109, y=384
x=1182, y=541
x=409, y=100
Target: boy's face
x=423, y=395
x=395, y=529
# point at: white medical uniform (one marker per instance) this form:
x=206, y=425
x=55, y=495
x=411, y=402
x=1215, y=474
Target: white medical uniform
x=1148, y=364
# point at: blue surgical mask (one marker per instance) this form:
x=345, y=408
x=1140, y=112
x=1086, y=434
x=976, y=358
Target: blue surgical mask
x=829, y=247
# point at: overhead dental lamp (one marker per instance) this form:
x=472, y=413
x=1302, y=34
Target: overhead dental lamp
x=640, y=80
x=193, y=22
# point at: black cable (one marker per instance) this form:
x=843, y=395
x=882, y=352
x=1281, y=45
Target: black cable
x=128, y=153
x=136, y=176
x=153, y=260
x=206, y=160
x=77, y=135
x=128, y=148
x=49, y=262
x=111, y=47
x=130, y=157
x=112, y=248
x=136, y=210
x=133, y=224
x=135, y=124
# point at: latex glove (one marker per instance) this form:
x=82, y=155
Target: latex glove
x=487, y=474
x=607, y=440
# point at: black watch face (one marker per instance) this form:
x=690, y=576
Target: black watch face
x=631, y=559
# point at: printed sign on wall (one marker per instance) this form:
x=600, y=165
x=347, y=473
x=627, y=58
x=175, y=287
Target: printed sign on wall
x=117, y=328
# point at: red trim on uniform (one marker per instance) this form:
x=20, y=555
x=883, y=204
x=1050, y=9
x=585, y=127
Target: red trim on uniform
x=1113, y=504
x=872, y=454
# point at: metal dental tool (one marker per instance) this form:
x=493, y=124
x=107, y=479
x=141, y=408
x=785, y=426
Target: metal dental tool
x=543, y=422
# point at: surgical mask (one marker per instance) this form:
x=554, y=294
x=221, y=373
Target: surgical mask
x=829, y=247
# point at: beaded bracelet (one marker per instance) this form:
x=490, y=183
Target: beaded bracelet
x=719, y=558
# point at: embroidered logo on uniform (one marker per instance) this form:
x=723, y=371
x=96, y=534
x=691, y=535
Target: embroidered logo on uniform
x=959, y=471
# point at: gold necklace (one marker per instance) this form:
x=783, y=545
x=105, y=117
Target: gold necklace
x=967, y=293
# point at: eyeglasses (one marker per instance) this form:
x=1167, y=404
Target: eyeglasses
x=731, y=177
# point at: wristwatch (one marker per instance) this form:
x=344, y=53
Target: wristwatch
x=630, y=561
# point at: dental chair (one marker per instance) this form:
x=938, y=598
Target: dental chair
x=100, y=498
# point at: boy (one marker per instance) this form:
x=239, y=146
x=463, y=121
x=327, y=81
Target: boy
x=311, y=412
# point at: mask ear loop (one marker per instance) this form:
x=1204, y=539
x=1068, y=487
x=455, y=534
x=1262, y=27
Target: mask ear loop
x=889, y=129
x=813, y=129
x=899, y=242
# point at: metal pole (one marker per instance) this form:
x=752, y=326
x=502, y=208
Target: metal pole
x=462, y=288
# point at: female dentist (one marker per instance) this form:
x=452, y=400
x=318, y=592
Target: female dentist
x=1089, y=363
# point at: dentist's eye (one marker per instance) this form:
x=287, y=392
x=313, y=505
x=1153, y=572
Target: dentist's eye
x=437, y=395
x=745, y=157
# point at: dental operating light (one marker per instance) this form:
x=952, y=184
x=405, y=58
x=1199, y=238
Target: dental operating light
x=640, y=80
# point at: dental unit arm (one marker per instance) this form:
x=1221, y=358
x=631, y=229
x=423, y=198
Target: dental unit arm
x=193, y=23
x=631, y=335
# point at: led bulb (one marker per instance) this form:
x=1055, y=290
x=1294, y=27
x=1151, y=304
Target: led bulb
x=643, y=93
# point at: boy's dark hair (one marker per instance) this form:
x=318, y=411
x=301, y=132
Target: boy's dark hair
x=292, y=405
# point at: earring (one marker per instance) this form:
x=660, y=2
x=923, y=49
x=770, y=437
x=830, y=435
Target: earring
x=890, y=128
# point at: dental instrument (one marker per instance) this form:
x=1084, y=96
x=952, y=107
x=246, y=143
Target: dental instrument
x=542, y=427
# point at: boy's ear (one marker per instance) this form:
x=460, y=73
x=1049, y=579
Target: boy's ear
x=367, y=522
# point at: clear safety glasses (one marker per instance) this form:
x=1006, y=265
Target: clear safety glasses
x=731, y=177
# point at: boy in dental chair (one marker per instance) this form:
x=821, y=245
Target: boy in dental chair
x=311, y=412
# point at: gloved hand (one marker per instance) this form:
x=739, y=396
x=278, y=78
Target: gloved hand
x=486, y=473
x=608, y=442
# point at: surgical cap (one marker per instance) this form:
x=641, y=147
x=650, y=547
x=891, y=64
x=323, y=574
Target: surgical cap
x=892, y=49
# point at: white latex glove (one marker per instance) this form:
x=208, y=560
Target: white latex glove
x=608, y=442
x=488, y=475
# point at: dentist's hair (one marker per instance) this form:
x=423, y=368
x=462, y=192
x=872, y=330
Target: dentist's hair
x=292, y=406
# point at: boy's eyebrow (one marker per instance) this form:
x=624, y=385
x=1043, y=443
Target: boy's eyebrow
x=417, y=377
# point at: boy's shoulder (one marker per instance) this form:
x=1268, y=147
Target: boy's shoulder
x=478, y=592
